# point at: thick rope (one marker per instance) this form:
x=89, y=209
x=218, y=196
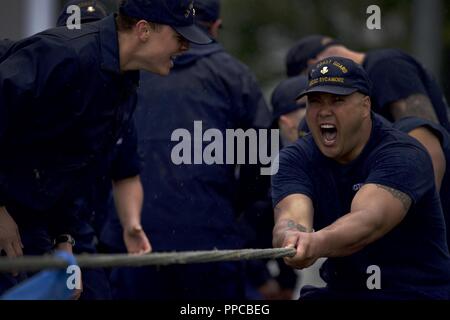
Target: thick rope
x=37, y=263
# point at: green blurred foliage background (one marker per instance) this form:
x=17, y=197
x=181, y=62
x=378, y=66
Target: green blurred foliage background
x=261, y=31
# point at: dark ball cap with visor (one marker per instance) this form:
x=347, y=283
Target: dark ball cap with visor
x=179, y=14
x=305, y=49
x=337, y=75
x=91, y=10
x=207, y=10
x=284, y=97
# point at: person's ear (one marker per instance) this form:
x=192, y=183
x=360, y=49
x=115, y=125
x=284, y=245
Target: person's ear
x=367, y=104
x=214, y=28
x=284, y=121
x=143, y=30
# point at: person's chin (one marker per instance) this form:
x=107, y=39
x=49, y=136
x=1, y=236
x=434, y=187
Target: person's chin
x=160, y=71
x=164, y=72
x=329, y=151
x=166, y=69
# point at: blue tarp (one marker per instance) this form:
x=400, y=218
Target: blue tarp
x=46, y=285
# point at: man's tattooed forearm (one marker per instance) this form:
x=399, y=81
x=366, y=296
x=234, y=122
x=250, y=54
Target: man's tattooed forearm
x=298, y=226
x=404, y=198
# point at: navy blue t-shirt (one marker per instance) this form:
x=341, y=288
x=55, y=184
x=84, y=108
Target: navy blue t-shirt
x=395, y=76
x=413, y=257
x=5, y=44
x=410, y=123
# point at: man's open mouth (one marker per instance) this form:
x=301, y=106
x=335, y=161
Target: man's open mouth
x=329, y=133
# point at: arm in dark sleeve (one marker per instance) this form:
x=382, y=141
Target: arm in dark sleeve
x=34, y=70
x=126, y=161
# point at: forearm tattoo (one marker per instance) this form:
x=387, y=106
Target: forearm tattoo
x=292, y=225
x=416, y=105
x=404, y=198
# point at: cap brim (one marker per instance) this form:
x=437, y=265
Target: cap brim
x=193, y=34
x=341, y=91
x=286, y=109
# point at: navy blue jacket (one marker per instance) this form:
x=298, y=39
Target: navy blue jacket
x=122, y=163
x=192, y=207
x=63, y=104
x=5, y=44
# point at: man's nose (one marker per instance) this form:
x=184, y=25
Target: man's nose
x=325, y=110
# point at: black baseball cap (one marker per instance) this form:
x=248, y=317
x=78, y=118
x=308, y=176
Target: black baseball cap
x=337, y=75
x=207, y=10
x=91, y=10
x=305, y=49
x=179, y=14
x=285, y=94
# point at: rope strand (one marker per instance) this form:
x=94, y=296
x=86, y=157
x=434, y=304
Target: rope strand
x=37, y=263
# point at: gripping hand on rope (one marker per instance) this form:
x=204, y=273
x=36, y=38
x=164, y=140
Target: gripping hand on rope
x=10, y=241
x=293, y=229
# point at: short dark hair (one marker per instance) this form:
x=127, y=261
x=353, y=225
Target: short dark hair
x=126, y=23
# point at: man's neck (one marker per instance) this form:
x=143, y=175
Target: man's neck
x=125, y=51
